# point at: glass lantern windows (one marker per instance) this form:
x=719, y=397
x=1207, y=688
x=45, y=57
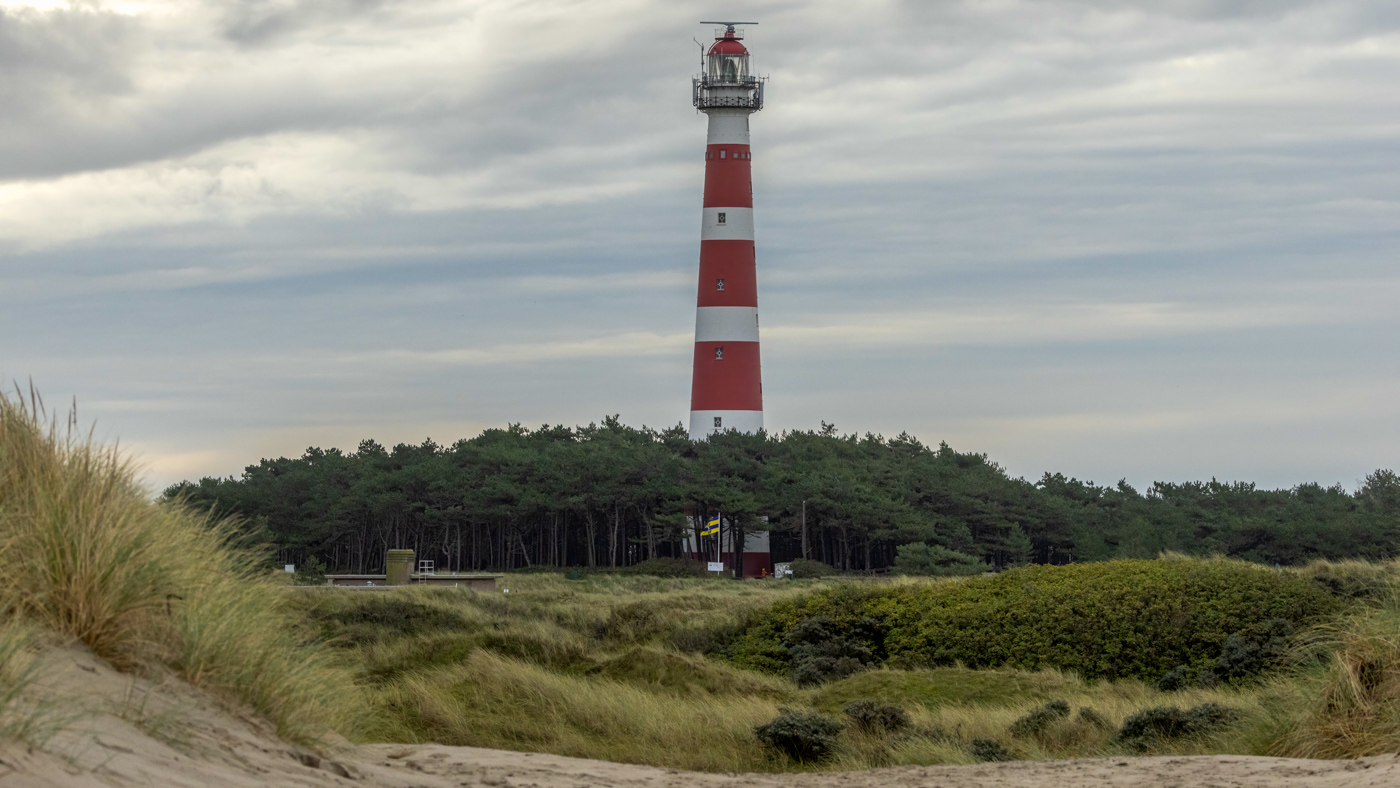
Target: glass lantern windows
x=728, y=68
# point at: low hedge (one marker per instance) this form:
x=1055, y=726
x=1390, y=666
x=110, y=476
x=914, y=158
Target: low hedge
x=1112, y=619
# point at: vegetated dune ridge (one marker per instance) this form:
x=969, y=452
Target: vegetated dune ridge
x=127, y=731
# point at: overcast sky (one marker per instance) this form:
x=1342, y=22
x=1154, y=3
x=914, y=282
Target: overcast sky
x=1155, y=240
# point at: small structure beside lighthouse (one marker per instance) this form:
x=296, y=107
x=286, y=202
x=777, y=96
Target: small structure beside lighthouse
x=726, y=390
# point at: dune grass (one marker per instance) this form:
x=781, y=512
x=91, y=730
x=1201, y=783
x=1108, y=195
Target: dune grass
x=1349, y=688
x=632, y=669
x=87, y=555
x=23, y=717
x=492, y=701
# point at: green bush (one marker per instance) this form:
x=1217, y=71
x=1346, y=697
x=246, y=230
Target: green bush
x=667, y=567
x=803, y=736
x=1040, y=718
x=1163, y=723
x=1178, y=678
x=819, y=652
x=921, y=559
x=807, y=569
x=311, y=573
x=1115, y=619
x=1090, y=717
x=989, y=750
x=873, y=717
x=1249, y=653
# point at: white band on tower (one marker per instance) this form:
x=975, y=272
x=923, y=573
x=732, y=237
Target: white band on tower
x=702, y=422
x=729, y=127
x=726, y=324
x=727, y=224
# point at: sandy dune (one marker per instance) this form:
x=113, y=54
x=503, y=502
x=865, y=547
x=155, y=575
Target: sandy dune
x=135, y=734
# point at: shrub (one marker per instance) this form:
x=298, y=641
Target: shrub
x=1163, y=723
x=873, y=717
x=801, y=735
x=819, y=654
x=989, y=750
x=807, y=569
x=1090, y=717
x=1115, y=619
x=311, y=573
x=1178, y=678
x=667, y=567
x=922, y=559
x=1040, y=718
x=1247, y=654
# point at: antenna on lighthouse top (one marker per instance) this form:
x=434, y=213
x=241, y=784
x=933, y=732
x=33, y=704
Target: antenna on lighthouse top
x=729, y=26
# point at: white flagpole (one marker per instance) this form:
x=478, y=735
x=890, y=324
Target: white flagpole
x=719, y=538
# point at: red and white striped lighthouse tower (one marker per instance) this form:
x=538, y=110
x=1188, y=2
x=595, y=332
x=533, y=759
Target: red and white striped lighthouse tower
x=726, y=390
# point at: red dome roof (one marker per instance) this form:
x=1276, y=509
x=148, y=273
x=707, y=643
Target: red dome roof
x=729, y=45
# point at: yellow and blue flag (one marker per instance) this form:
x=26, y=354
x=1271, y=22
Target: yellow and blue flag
x=711, y=527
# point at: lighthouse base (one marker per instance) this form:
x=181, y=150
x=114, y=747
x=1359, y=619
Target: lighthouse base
x=705, y=422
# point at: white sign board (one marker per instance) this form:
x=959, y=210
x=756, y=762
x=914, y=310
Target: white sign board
x=716, y=566
x=782, y=570
x=290, y=567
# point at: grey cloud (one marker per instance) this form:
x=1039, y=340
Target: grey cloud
x=1048, y=162
x=82, y=50
x=263, y=22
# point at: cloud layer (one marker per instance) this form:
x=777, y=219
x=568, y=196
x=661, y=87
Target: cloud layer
x=1144, y=240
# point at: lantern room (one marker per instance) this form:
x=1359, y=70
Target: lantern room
x=727, y=81
x=728, y=60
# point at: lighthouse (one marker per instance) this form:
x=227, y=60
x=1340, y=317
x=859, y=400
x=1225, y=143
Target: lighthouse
x=726, y=389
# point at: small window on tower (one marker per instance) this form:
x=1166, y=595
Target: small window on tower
x=721, y=218
x=719, y=284
x=718, y=421
x=721, y=154
x=719, y=352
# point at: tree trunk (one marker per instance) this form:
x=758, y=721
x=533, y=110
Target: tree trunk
x=737, y=535
x=592, y=534
x=613, y=548
x=805, y=552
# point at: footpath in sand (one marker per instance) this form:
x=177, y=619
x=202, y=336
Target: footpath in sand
x=136, y=734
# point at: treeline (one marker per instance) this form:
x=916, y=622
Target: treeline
x=611, y=495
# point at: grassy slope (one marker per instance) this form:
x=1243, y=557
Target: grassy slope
x=604, y=667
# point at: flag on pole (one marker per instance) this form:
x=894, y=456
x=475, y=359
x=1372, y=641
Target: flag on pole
x=711, y=527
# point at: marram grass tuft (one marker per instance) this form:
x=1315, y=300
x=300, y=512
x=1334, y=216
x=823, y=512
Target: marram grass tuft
x=85, y=553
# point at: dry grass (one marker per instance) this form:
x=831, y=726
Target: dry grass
x=491, y=701
x=1350, y=702
x=86, y=554
x=22, y=717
